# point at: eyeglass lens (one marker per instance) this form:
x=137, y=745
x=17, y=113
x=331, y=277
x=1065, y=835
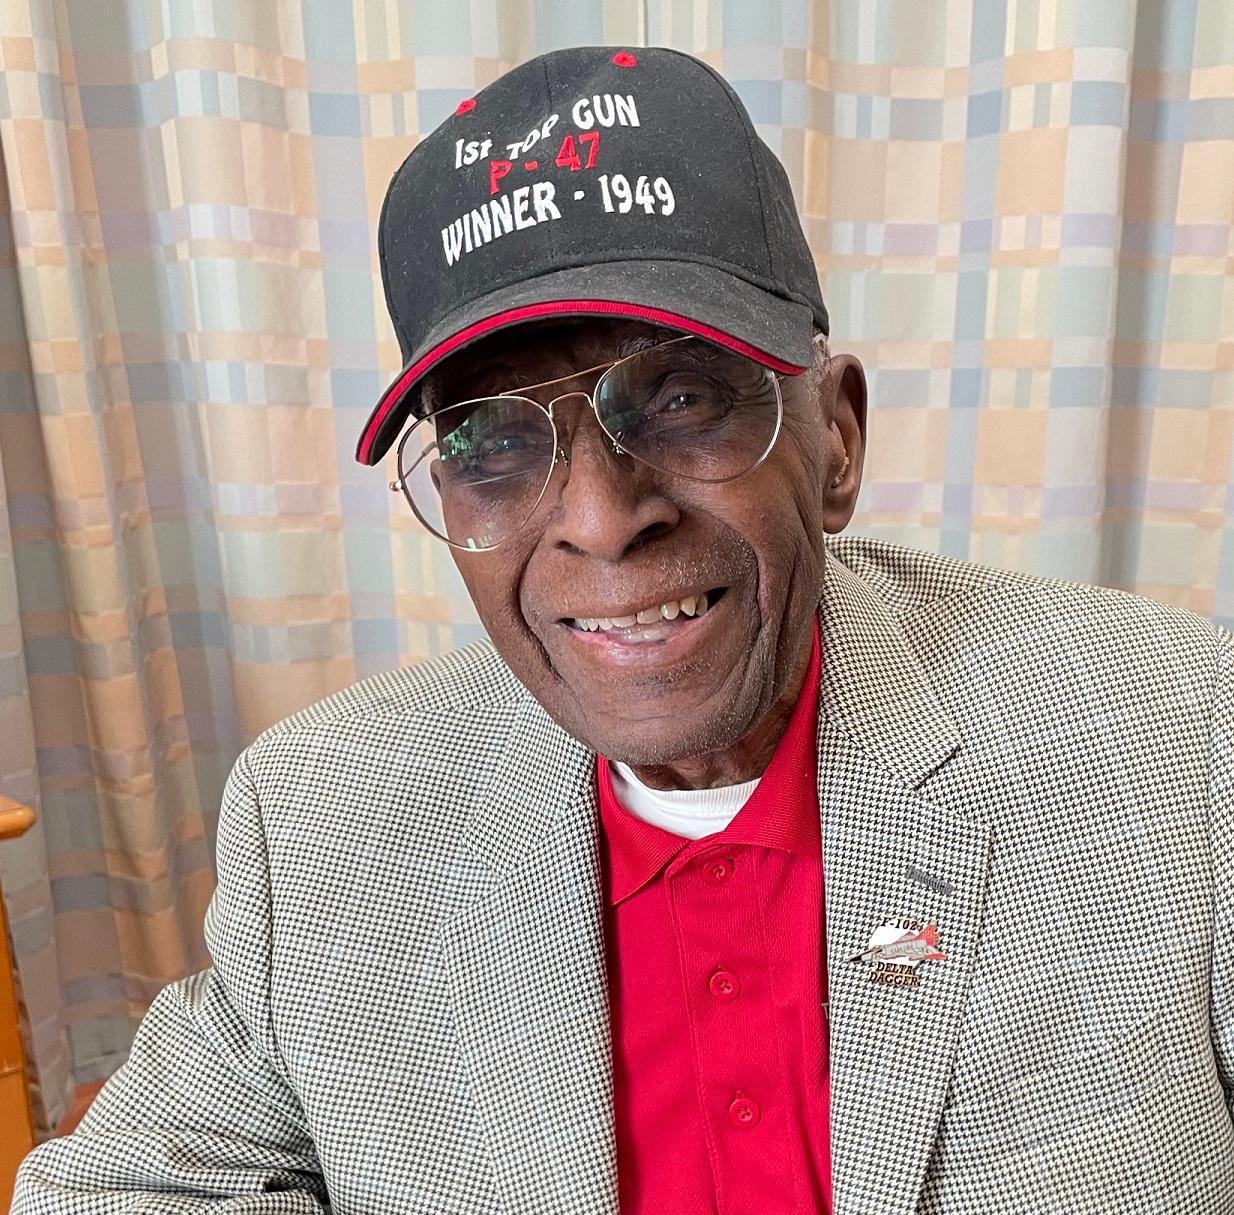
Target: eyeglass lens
x=475, y=472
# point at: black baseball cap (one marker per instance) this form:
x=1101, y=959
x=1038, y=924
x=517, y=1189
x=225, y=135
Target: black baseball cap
x=593, y=181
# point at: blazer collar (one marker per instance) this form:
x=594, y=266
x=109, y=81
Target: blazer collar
x=873, y=686
x=535, y=770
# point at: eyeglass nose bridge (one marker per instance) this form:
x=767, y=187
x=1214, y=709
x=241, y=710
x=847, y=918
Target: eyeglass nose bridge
x=563, y=448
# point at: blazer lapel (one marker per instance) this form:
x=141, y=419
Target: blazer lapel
x=525, y=964
x=890, y=852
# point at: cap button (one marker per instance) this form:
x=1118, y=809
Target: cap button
x=466, y=106
x=624, y=59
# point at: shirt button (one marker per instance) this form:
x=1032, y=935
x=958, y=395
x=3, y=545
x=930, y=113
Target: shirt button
x=744, y=1113
x=725, y=985
x=718, y=869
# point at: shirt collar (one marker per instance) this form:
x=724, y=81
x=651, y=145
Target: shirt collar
x=782, y=812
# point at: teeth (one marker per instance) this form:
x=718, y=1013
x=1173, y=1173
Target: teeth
x=691, y=605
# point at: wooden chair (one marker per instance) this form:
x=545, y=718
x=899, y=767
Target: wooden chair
x=16, y=1127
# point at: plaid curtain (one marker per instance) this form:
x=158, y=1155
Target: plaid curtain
x=1021, y=210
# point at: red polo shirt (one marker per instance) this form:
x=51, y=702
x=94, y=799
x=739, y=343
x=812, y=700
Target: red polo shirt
x=716, y=985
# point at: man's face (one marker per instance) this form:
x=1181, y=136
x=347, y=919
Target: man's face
x=612, y=536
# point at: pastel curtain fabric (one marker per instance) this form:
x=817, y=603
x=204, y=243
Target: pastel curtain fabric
x=1021, y=209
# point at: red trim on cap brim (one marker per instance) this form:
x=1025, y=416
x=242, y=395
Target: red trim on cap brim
x=550, y=308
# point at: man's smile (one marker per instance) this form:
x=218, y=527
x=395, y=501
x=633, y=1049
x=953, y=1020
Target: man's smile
x=674, y=637
x=622, y=621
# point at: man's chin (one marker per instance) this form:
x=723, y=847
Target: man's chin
x=662, y=739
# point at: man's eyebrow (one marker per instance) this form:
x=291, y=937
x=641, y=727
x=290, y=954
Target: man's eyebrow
x=430, y=394
x=430, y=387
x=642, y=341
x=427, y=398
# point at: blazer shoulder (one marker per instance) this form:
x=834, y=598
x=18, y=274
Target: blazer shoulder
x=469, y=679
x=909, y=581
x=406, y=746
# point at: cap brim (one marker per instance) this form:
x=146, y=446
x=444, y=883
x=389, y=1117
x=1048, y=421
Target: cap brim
x=690, y=296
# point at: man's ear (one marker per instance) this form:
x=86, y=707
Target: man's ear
x=844, y=393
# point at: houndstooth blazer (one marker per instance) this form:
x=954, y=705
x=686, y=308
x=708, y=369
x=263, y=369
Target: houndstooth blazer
x=407, y=1010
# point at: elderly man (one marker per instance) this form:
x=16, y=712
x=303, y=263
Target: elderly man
x=742, y=870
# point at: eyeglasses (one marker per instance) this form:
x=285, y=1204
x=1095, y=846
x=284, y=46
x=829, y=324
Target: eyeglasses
x=475, y=472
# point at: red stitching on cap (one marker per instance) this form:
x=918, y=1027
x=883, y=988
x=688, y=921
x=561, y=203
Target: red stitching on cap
x=550, y=307
x=624, y=59
x=465, y=107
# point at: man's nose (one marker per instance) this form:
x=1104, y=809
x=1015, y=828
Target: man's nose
x=606, y=503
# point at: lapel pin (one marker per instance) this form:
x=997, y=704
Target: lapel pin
x=896, y=949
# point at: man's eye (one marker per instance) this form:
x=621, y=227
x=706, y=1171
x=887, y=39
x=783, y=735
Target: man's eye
x=470, y=449
x=503, y=457
x=677, y=393
x=496, y=445
x=694, y=402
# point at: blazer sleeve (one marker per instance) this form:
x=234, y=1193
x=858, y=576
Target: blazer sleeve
x=1221, y=795
x=202, y=1116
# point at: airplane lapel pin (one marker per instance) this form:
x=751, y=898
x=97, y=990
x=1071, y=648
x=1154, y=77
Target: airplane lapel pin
x=896, y=949
x=907, y=946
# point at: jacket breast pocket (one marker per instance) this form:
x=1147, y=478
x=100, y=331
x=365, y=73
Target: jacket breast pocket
x=1102, y=1085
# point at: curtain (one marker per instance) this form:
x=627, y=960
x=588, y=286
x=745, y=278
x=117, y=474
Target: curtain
x=1021, y=211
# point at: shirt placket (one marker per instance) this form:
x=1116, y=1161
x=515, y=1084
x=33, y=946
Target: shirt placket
x=713, y=895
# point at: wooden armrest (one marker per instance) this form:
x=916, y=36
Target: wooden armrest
x=15, y=819
x=16, y=1127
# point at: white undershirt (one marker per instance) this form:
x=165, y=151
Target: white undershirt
x=692, y=813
